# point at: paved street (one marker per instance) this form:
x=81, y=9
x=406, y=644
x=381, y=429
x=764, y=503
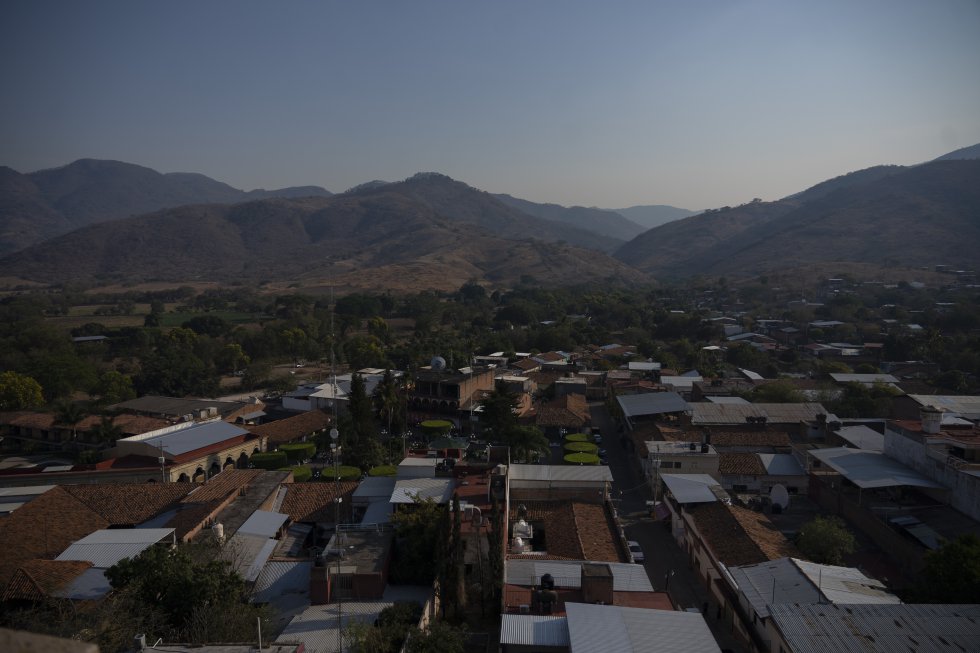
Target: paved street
x=665, y=562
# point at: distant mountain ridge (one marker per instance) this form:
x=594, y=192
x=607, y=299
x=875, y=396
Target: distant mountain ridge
x=887, y=215
x=379, y=239
x=654, y=215
x=41, y=205
x=608, y=223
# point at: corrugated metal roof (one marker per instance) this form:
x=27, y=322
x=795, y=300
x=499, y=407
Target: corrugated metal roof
x=617, y=629
x=641, y=366
x=105, y=548
x=651, y=403
x=378, y=512
x=845, y=584
x=781, y=464
x=863, y=378
x=261, y=557
x=691, y=488
x=375, y=486
x=407, y=489
x=728, y=400
x=191, y=438
x=317, y=626
x=24, y=490
x=707, y=413
x=568, y=573
x=683, y=381
x=281, y=577
x=559, y=473
x=921, y=628
x=863, y=437
x=963, y=405
x=870, y=469
x=773, y=582
x=533, y=630
x=263, y=523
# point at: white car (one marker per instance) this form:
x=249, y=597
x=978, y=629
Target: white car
x=635, y=551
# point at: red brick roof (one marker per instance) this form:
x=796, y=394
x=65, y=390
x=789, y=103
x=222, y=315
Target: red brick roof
x=35, y=580
x=568, y=410
x=749, y=437
x=594, y=533
x=314, y=502
x=44, y=528
x=744, y=464
x=573, y=530
x=292, y=428
x=526, y=365
x=126, y=504
x=739, y=536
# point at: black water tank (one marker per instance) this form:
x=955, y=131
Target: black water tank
x=547, y=582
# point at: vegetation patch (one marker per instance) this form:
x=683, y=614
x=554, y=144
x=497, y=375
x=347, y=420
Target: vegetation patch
x=582, y=459
x=383, y=470
x=581, y=447
x=577, y=437
x=271, y=460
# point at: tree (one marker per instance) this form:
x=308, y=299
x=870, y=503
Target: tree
x=439, y=637
x=231, y=356
x=826, y=540
x=524, y=441
x=179, y=580
x=19, y=392
x=390, y=403
x=361, y=413
x=498, y=410
x=114, y=387
x=69, y=414
x=420, y=533
x=106, y=431
x=951, y=574
x=777, y=392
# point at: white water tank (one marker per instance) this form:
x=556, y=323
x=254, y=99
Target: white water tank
x=518, y=546
x=219, y=531
x=522, y=529
x=932, y=419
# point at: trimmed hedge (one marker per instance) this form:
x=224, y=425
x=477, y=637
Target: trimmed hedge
x=347, y=473
x=436, y=428
x=302, y=473
x=270, y=460
x=577, y=437
x=299, y=451
x=582, y=459
x=581, y=447
x=383, y=470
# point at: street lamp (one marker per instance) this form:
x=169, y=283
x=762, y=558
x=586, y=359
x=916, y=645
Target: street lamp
x=334, y=451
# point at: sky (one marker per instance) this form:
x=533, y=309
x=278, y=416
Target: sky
x=611, y=104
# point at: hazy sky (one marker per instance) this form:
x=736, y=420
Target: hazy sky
x=695, y=104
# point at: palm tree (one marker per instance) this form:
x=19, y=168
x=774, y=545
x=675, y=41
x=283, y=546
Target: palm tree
x=70, y=414
x=106, y=431
x=527, y=440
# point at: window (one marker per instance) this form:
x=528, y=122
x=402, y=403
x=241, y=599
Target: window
x=740, y=488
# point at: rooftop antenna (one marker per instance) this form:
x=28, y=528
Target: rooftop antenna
x=333, y=369
x=163, y=460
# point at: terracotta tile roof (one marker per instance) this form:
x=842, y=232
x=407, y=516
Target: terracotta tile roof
x=765, y=534
x=314, y=502
x=594, y=533
x=739, y=536
x=527, y=364
x=42, y=421
x=292, y=428
x=544, y=379
x=138, y=424
x=125, y=504
x=745, y=464
x=749, y=437
x=219, y=487
x=573, y=530
x=35, y=580
x=44, y=528
x=568, y=410
x=549, y=357
x=558, y=521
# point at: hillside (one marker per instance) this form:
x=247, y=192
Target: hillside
x=47, y=203
x=465, y=204
x=924, y=215
x=372, y=240
x=653, y=215
x=600, y=221
x=964, y=153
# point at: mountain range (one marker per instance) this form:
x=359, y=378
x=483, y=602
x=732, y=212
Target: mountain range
x=105, y=221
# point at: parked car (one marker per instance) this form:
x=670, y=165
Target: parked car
x=636, y=551
x=597, y=437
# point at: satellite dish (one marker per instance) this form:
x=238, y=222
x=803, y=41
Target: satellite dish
x=438, y=363
x=779, y=496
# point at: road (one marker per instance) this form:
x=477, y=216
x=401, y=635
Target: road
x=666, y=564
